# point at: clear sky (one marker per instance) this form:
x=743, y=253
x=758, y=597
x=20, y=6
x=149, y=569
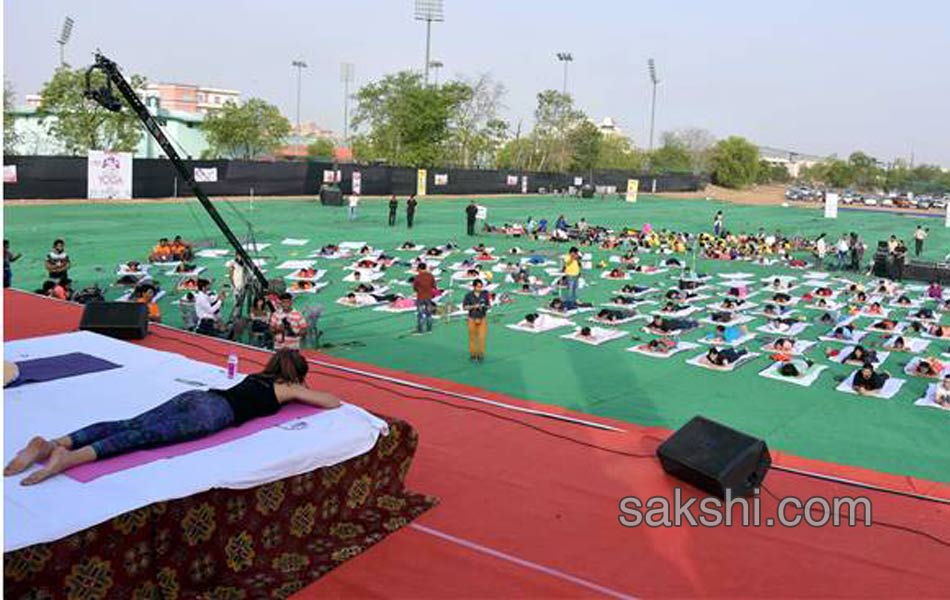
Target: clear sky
x=818, y=77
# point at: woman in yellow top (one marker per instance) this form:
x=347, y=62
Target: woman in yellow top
x=572, y=272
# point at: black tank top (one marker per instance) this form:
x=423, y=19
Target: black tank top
x=253, y=397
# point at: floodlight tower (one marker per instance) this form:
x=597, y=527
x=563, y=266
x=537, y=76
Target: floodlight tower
x=300, y=66
x=64, y=36
x=429, y=11
x=435, y=65
x=347, y=74
x=566, y=58
x=651, y=66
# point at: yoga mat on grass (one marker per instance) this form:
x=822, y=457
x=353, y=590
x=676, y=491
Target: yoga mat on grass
x=94, y=470
x=50, y=368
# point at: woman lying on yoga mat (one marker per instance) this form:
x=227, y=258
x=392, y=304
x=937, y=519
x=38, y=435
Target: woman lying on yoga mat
x=867, y=381
x=190, y=415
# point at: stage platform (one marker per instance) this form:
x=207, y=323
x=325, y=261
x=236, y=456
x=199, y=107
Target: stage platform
x=529, y=505
x=251, y=510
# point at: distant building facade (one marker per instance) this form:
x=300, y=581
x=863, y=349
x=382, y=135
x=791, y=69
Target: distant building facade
x=793, y=162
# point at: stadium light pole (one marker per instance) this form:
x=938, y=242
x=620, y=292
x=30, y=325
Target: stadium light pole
x=347, y=73
x=436, y=65
x=300, y=66
x=566, y=58
x=64, y=36
x=651, y=65
x=429, y=11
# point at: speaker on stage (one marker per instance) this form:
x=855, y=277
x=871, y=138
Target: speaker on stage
x=123, y=320
x=715, y=458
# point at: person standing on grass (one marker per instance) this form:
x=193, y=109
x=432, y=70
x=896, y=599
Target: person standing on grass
x=393, y=207
x=718, y=224
x=424, y=284
x=8, y=259
x=471, y=211
x=411, y=210
x=572, y=275
x=352, y=202
x=477, y=303
x=919, y=236
x=57, y=261
x=821, y=249
x=842, y=251
x=287, y=324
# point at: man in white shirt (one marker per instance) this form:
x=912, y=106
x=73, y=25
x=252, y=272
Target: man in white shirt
x=236, y=271
x=919, y=236
x=352, y=202
x=207, y=308
x=843, y=248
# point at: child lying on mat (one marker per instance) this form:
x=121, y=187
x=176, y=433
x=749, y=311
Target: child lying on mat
x=190, y=415
x=722, y=358
x=868, y=381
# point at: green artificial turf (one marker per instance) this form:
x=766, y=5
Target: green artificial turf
x=816, y=422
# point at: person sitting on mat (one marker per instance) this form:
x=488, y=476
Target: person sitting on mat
x=162, y=252
x=181, y=250
x=935, y=291
x=867, y=380
x=190, y=415
x=723, y=358
x=145, y=294
x=63, y=289
x=942, y=395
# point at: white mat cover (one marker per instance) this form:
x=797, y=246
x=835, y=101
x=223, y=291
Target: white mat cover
x=61, y=506
x=890, y=389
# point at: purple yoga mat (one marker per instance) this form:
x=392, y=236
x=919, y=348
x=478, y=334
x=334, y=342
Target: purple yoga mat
x=59, y=367
x=94, y=470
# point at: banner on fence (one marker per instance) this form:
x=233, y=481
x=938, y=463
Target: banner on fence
x=9, y=173
x=512, y=180
x=633, y=190
x=206, y=175
x=578, y=181
x=421, y=182
x=524, y=184
x=947, y=222
x=109, y=175
x=831, y=205
x=441, y=179
x=330, y=176
x=357, y=183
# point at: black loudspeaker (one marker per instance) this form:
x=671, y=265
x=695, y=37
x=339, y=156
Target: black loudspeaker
x=331, y=196
x=715, y=458
x=123, y=320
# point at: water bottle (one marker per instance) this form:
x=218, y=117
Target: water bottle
x=232, y=365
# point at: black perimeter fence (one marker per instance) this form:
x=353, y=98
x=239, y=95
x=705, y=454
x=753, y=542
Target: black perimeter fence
x=42, y=177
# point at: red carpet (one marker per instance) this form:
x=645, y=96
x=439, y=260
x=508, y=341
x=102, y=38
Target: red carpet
x=531, y=513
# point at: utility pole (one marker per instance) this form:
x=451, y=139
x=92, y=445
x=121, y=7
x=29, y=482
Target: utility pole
x=347, y=73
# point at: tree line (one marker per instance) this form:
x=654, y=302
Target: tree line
x=399, y=120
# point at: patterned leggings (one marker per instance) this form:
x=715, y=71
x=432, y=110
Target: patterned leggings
x=187, y=416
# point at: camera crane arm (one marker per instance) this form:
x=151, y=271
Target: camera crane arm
x=107, y=100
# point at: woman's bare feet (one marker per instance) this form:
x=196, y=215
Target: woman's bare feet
x=60, y=460
x=37, y=450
